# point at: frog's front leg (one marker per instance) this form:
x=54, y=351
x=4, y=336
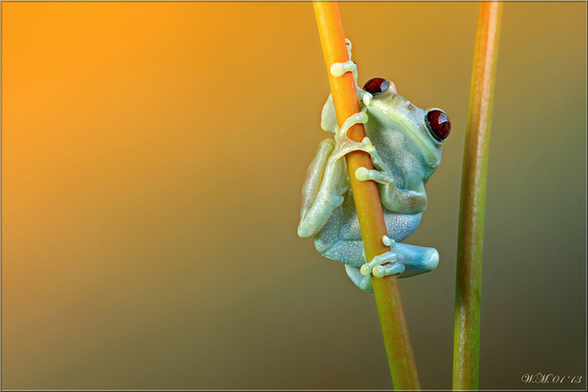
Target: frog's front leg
x=345, y=145
x=337, y=242
x=326, y=178
x=403, y=201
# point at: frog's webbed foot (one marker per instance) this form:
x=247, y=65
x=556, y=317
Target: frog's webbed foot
x=404, y=260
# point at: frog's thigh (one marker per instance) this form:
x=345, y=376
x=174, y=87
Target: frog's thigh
x=400, y=226
x=416, y=259
x=315, y=173
x=320, y=192
x=337, y=241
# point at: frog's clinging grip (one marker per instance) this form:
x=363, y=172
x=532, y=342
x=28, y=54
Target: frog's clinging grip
x=388, y=269
x=388, y=241
x=357, y=118
x=404, y=154
x=363, y=174
x=388, y=257
x=338, y=69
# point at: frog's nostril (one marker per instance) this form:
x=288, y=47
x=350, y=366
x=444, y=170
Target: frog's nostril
x=376, y=85
x=439, y=124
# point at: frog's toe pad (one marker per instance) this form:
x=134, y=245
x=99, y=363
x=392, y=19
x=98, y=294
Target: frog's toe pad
x=375, y=266
x=364, y=174
x=388, y=269
x=365, y=269
x=366, y=143
x=338, y=69
x=365, y=97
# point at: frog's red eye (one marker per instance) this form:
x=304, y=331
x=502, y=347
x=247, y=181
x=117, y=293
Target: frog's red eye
x=439, y=124
x=376, y=85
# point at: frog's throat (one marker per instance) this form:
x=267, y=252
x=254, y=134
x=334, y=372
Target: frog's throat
x=431, y=155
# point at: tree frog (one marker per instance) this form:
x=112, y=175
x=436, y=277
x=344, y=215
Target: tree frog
x=404, y=143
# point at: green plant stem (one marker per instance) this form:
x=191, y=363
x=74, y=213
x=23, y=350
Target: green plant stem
x=367, y=202
x=473, y=193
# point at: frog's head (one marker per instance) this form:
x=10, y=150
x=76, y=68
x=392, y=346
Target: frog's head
x=408, y=138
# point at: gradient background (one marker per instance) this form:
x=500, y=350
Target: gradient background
x=152, y=161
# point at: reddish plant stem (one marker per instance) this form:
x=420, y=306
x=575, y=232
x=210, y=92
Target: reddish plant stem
x=367, y=202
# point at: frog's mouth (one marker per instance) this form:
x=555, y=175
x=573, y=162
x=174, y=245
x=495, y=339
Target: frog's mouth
x=404, y=117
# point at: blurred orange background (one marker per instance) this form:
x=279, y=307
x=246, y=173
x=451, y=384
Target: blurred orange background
x=152, y=161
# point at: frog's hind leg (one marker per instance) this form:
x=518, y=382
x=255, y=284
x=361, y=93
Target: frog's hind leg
x=334, y=243
x=327, y=179
x=347, y=253
x=344, y=251
x=404, y=260
x=325, y=183
x=363, y=282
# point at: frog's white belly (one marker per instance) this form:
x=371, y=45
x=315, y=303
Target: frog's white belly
x=398, y=226
x=345, y=226
x=340, y=238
